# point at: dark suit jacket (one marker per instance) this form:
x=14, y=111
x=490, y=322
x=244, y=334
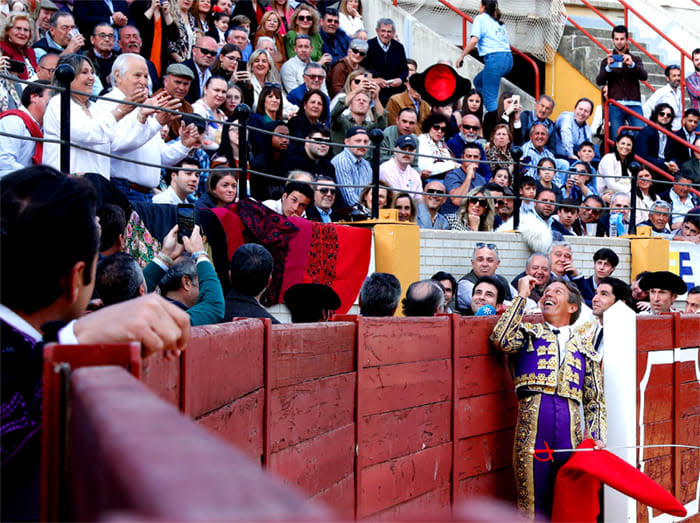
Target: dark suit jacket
x=241, y=306
x=647, y=146
x=146, y=27
x=88, y=14
x=556, y=226
x=585, y=285
x=315, y=216
x=676, y=151
x=194, y=93
x=389, y=65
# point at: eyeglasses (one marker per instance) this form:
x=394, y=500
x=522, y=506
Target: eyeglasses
x=666, y=113
x=233, y=58
x=48, y=69
x=333, y=21
x=361, y=53
x=105, y=36
x=480, y=202
x=434, y=191
x=439, y=128
x=273, y=85
x=357, y=81
x=471, y=127
x=305, y=18
x=206, y=51
x=481, y=245
x=315, y=76
x=22, y=29
x=326, y=190
x=501, y=202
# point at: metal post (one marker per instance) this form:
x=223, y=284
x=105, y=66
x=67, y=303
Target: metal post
x=634, y=168
x=65, y=74
x=516, y=153
x=241, y=114
x=377, y=136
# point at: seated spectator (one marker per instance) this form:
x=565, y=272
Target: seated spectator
x=580, y=184
x=130, y=42
x=60, y=38
x=312, y=157
x=112, y=229
x=230, y=149
x=262, y=74
x=589, y=214
x=251, y=272
x=47, y=66
x=528, y=190
x=429, y=216
x=432, y=143
x=16, y=153
x=350, y=166
x=271, y=27
x=306, y=21
x=270, y=108
x=119, y=278
x=449, y=286
x=495, y=193
x=379, y=295
x=469, y=135
x=335, y=40
x=545, y=205
x=423, y=298
x=409, y=98
x=358, y=80
x=314, y=79
x=539, y=267
x=646, y=196
x=350, y=16
x=311, y=302
x=190, y=282
x=222, y=190
x=268, y=44
x=572, y=129
x=670, y=94
x=313, y=111
x=680, y=198
x=342, y=68
x=605, y=261
x=234, y=97
x=616, y=164
x=386, y=60
x=203, y=55
x=239, y=35
x=398, y=173
x=473, y=103
x=692, y=304
x=45, y=9
x=690, y=229
x=226, y=64
x=535, y=149
x=659, y=218
x=101, y=53
x=677, y=152
x=619, y=204
x=359, y=111
x=476, y=212
x=485, y=261
x=546, y=171
x=567, y=218
x=506, y=205
x=406, y=207
x=406, y=124
x=324, y=198
x=544, y=107
x=487, y=292
x=500, y=145
x=588, y=154
x=385, y=200
x=271, y=159
x=562, y=260
x=209, y=107
x=651, y=143
x=292, y=71
x=181, y=183
x=219, y=26
x=295, y=199
x=691, y=168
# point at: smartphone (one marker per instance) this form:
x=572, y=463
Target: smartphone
x=617, y=61
x=516, y=99
x=17, y=67
x=200, y=124
x=242, y=66
x=185, y=220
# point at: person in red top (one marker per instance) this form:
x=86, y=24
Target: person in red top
x=15, y=38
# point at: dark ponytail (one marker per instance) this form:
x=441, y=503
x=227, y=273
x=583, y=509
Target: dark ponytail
x=491, y=7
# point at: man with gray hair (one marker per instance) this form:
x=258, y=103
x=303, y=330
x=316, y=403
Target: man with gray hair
x=619, y=204
x=485, y=261
x=119, y=278
x=102, y=51
x=379, y=295
x=314, y=78
x=659, y=217
x=386, y=60
x=59, y=39
x=130, y=76
x=423, y=298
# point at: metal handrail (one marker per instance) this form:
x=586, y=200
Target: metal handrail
x=466, y=18
x=599, y=44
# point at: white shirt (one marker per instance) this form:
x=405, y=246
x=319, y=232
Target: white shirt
x=66, y=335
x=350, y=24
x=15, y=153
x=168, y=196
x=292, y=73
x=610, y=166
x=673, y=97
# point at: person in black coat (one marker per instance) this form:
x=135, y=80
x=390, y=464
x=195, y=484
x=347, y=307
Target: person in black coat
x=676, y=151
x=312, y=157
x=88, y=14
x=388, y=67
x=271, y=159
x=605, y=262
x=142, y=14
x=650, y=143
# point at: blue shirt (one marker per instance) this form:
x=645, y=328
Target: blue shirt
x=570, y=134
x=534, y=156
x=349, y=170
x=426, y=222
x=493, y=37
x=454, y=179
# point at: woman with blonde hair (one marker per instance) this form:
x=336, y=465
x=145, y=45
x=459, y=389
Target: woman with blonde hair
x=358, y=80
x=180, y=49
x=350, y=16
x=281, y=8
x=476, y=212
x=271, y=26
x=16, y=36
x=307, y=21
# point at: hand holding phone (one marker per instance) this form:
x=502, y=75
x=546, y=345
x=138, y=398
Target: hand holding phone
x=185, y=220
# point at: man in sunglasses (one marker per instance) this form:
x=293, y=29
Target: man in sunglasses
x=203, y=56
x=324, y=198
x=312, y=157
x=335, y=40
x=428, y=215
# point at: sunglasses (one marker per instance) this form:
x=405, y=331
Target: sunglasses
x=315, y=76
x=305, y=18
x=206, y=51
x=480, y=202
x=323, y=140
x=433, y=191
x=439, y=128
x=357, y=81
x=327, y=190
x=501, y=202
x=361, y=53
x=481, y=245
x=666, y=113
x=471, y=127
x=233, y=58
x=273, y=85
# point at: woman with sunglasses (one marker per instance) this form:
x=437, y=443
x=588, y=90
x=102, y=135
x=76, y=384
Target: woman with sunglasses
x=270, y=26
x=651, y=143
x=432, y=143
x=357, y=50
x=350, y=16
x=475, y=213
x=306, y=20
x=358, y=80
x=613, y=169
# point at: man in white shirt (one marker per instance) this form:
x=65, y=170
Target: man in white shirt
x=292, y=71
x=397, y=172
x=671, y=93
x=136, y=181
x=183, y=182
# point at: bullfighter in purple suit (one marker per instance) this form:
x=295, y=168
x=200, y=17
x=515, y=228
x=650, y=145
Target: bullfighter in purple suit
x=555, y=370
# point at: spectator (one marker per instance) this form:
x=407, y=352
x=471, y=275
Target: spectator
x=621, y=73
x=487, y=291
x=651, y=143
x=545, y=205
x=385, y=199
x=506, y=205
x=692, y=304
x=659, y=218
x=605, y=261
x=539, y=267
x=222, y=188
x=572, y=129
x=130, y=79
x=324, y=199
x=16, y=153
x=677, y=152
x=238, y=36
x=234, y=97
x=42, y=209
x=397, y=172
x=429, y=216
x=690, y=229
x=295, y=199
x=608, y=292
x=190, y=282
x=463, y=179
x=543, y=110
x=579, y=183
x=91, y=14
x=535, y=149
x=616, y=164
x=566, y=219
x=45, y=9
x=251, y=272
x=262, y=74
x=361, y=34
x=119, y=278
x=252, y=10
x=490, y=37
x=409, y=98
x=562, y=260
x=350, y=16
x=226, y=64
x=646, y=196
x=379, y=295
x=305, y=21
x=432, y=144
x=357, y=50
x=364, y=109
x=311, y=302
x=176, y=83
x=15, y=37
x=314, y=111
x=314, y=79
x=47, y=66
x=101, y=53
x=201, y=10
x=182, y=183
x=130, y=42
x=485, y=262
x=423, y=298
x=112, y=229
x=449, y=286
x=269, y=108
x=546, y=171
x=59, y=38
x=219, y=27
x=470, y=127
x=335, y=40
x=670, y=94
x=692, y=81
x=230, y=144
x=619, y=204
x=473, y=103
x=312, y=157
x=406, y=124
x=500, y=145
x=203, y=56
x=476, y=212
x=272, y=158
x=663, y=288
x=180, y=49
x=680, y=198
x=292, y=71
x=691, y=168
x=406, y=207
x=158, y=28
x=271, y=27
x=283, y=11
x=386, y=60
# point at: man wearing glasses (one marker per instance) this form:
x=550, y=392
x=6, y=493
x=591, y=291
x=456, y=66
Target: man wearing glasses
x=324, y=198
x=101, y=53
x=335, y=40
x=314, y=78
x=203, y=56
x=47, y=66
x=464, y=178
x=429, y=217
x=469, y=134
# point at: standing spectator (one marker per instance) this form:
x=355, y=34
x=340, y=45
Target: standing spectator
x=180, y=49
x=572, y=130
x=17, y=153
x=335, y=40
x=59, y=38
x=181, y=184
x=101, y=53
x=305, y=21
x=616, y=164
x=15, y=38
x=314, y=78
x=692, y=82
x=490, y=37
x=408, y=98
x=203, y=56
x=130, y=42
x=350, y=16
x=677, y=152
x=406, y=123
x=464, y=178
x=432, y=143
x=651, y=144
x=155, y=22
x=535, y=149
x=681, y=199
x=90, y=14
x=398, y=173
x=386, y=60
x=429, y=216
x=324, y=199
x=350, y=166
x=621, y=72
x=671, y=94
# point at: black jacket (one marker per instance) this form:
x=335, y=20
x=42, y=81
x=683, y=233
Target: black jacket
x=388, y=65
x=242, y=306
